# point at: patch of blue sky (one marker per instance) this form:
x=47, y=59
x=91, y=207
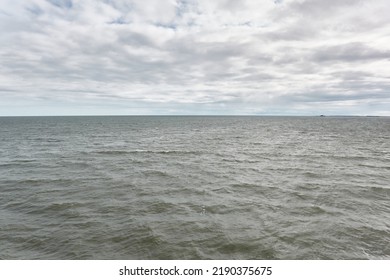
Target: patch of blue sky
x=4, y=13
x=120, y=20
x=35, y=10
x=164, y=25
x=183, y=7
x=66, y=4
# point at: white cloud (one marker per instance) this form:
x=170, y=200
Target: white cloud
x=238, y=57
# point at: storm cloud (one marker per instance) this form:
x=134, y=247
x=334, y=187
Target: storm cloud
x=291, y=57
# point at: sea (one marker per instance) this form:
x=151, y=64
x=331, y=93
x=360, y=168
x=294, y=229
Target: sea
x=194, y=187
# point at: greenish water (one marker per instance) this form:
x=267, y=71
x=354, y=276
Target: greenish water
x=194, y=188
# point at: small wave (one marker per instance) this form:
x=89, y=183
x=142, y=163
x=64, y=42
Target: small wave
x=18, y=162
x=48, y=140
x=121, y=152
x=40, y=181
x=161, y=207
x=245, y=186
x=312, y=175
x=66, y=209
x=157, y=173
x=219, y=209
x=24, y=160
x=112, y=152
x=176, y=152
x=11, y=165
x=240, y=160
x=60, y=206
x=54, y=140
x=309, y=210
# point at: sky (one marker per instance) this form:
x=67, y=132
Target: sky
x=194, y=57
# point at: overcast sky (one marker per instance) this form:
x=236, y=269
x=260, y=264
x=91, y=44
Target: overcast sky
x=267, y=57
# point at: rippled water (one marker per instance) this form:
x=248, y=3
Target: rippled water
x=194, y=188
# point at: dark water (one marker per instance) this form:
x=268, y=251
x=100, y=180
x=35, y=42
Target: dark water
x=194, y=188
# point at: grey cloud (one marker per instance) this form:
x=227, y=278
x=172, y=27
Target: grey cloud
x=296, y=32
x=352, y=75
x=136, y=39
x=90, y=51
x=354, y=51
x=315, y=8
x=232, y=5
x=318, y=97
x=5, y=89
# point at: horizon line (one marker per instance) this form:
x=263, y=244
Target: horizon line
x=195, y=115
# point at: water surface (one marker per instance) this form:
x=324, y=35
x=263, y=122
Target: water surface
x=194, y=188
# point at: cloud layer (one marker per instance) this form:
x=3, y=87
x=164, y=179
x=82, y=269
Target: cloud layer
x=289, y=57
